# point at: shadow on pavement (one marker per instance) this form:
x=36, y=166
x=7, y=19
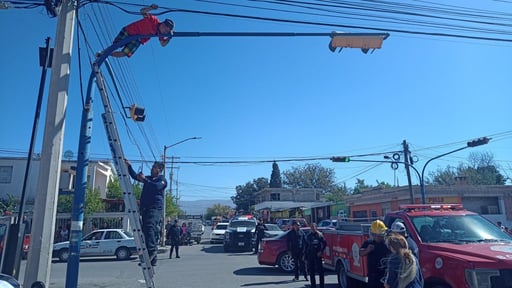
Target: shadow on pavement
x=213, y=249
x=261, y=270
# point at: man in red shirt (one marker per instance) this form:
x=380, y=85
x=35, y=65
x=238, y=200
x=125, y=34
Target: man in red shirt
x=149, y=25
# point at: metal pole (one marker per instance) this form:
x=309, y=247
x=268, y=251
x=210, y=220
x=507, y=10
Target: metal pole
x=11, y=265
x=40, y=255
x=422, y=179
x=162, y=228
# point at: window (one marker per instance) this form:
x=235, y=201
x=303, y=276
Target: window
x=275, y=196
x=5, y=174
x=113, y=235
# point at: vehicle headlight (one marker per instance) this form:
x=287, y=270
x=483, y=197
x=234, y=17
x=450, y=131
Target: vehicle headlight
x=480, y=278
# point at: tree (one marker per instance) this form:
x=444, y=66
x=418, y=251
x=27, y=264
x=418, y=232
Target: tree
x=114, y=189
x=360, y=186
x=217, y=210
x=93, y=202
x=171, y=208
x=65, y=203
x=245, y=194
x=275, y=177
x=8, y=204
x=480, y=170
x=337, y=194
x=310, y=176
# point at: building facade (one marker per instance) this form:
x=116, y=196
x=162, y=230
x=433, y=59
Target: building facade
x=12, y=175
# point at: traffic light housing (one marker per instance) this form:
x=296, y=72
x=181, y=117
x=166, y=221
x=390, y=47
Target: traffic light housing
x=365, y=41
x=478, y=142
x=340, y=159
x=137, y=113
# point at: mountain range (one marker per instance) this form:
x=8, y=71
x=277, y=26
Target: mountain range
x=198, y=207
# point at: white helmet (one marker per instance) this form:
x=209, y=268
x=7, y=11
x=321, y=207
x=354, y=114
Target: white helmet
x=398, y=227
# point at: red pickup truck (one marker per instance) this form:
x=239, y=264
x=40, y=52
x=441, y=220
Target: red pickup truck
x=457, y=248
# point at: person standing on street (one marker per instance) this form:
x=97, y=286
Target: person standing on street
x=151, y=204
x=174, y=234
x=377, y=251
x=399, y=228
x=403, y=269
x=295, y=240
x=260, y=233
x=315, y=246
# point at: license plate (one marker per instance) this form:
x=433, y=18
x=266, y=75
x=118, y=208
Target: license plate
x=241, y=243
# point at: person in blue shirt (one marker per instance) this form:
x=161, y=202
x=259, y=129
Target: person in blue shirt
x=403, y=269
x=151, y=204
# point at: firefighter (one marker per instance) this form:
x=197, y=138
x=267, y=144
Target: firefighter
x=315, y=246
x=377, y=251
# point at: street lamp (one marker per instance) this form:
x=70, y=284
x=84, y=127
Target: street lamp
x=170, y=182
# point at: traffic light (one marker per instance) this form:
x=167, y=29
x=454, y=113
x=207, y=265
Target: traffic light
x=340, y=159
x=365, y=41
x=478, y=142
x=137, y=113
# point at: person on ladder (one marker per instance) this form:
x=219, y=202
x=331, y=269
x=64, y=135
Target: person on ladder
x=151, y=204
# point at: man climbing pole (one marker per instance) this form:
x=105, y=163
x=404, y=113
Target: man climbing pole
x=149, y=25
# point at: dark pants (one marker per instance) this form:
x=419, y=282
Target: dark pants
x=257, y=245
x=314, y=267
x=299, y=264
x=173, y=246
x=374, y=280
x=150, y=224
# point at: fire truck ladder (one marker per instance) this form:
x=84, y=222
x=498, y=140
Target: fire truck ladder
x=124, y=180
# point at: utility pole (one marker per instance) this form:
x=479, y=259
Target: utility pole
x=406, y=161
x=43, y=228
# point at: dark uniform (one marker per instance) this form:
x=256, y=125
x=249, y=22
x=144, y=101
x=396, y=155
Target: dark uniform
x=174, y=235
x=260, y=233
x=295, y=240
x=315, y=246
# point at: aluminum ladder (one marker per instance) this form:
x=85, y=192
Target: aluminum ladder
x=130, y=201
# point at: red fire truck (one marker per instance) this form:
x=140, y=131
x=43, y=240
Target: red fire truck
x=457, y=248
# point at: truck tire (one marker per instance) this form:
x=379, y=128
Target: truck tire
x=285, y=262
x=341, y=274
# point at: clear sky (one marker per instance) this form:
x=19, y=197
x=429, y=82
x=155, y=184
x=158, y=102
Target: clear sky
x=278, y=98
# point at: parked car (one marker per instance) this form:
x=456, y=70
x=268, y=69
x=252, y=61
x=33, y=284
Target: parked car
x=328, y=223
x=271, y=230
x=286, y=223
x=239, y=235
x=103, y=242
x=274, y=251
x=218, y=232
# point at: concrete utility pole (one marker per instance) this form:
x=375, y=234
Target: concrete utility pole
x=43, y=227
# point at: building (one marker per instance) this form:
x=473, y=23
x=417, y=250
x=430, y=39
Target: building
x=492, y=201
x=275, y=203
x=12, y=175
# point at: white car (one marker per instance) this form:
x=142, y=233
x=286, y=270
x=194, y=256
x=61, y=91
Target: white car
x=103, y=242
x=217, y=235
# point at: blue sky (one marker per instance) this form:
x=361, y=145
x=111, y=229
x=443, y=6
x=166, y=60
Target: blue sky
x=261, y=98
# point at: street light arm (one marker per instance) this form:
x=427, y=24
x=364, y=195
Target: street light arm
x=184, y=140
x=437, y=157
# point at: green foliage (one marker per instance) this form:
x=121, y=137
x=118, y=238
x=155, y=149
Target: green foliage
x=93, y=202
x=114, y=189
x=171, y=209
x=8, y=204
x=245, y=194
x=360, y=186
x=65, y=204
x=217, y=210
x=275, y=177
x=310, y=176
x=337, y=194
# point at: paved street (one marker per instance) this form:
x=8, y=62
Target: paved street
x=203, y=265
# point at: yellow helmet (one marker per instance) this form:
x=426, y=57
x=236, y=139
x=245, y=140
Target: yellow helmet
x=378, y=227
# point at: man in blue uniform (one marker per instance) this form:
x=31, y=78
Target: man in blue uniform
x=151, y=204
